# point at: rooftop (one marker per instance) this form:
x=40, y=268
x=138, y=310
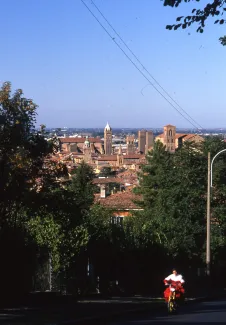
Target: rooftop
x=80, y=140
x=120, y=201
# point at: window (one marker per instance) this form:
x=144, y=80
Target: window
x=117, y=220
x=170, y=133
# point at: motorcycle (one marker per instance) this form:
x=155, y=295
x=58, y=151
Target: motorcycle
x=173, y=295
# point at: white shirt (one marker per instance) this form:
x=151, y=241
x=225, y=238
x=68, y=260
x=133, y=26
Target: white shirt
x=174, y=277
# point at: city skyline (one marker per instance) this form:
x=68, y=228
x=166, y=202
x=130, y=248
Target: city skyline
x=67, y=64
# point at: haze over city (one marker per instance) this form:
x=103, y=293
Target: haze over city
x=64, y=60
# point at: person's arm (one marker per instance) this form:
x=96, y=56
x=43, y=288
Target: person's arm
x=182, y=280
x=167, y=279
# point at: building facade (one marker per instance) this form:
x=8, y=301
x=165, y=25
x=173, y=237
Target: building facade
x=145, y=141
x=130, y=139
x=149, y=141
x=169, y=135
x=141, y=141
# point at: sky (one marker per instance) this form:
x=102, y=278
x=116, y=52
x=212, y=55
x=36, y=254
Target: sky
x=65, y=61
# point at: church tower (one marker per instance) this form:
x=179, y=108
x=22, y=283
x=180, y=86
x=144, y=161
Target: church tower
x=120, y=157
x=108, y=140
x=87, y=151
x=169, y=137
x=130, y=144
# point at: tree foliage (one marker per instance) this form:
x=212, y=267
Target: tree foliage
x=215, y=8
x=174, y=188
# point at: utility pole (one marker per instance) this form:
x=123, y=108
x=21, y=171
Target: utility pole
x=208, y=219
x=50, y=272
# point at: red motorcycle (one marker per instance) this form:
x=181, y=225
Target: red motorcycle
x=173, y=295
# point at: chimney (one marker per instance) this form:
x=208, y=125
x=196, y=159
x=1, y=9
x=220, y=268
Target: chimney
x=102, y=192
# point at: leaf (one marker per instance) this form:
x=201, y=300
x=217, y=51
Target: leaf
x=179, y=18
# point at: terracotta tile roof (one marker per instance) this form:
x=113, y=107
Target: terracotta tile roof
x=119, y=201
x=160, y=135
x=179, y=135
x=190, y=136
x=128, y=177
x=133, y=156
x=106, y=180
x=79, y=140
x=76, y=154
x=108, y=158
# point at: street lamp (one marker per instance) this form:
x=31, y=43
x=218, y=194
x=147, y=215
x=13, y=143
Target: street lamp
x=209, y=185
x=211, y=168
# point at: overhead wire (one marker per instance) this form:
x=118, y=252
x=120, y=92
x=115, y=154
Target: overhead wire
x=141, y=72
x=135, y=56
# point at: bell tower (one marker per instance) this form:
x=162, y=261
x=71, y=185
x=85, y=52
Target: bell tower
x=108, y=140
x=169, y=137
x=130, y=144
x=87, y=151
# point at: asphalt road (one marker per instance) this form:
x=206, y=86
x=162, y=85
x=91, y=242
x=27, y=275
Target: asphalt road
x=212, y=312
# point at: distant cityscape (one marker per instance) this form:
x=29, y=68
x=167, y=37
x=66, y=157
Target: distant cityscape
x=117, y=154
x=122, y=132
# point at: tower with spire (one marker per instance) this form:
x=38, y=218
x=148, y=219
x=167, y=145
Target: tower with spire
x=87, y=150
x=108, y=140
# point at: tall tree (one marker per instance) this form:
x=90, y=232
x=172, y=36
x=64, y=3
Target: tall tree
x=173, y=185
x=22, y=169
x=82, y=186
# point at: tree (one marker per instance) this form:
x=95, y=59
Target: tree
x=105, y=171
x=23, y=153
x=82, y=186
x=215, y=8
x=23, y=173
x=173, y=187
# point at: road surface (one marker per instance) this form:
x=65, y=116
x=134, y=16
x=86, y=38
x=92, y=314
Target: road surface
x=213, y=312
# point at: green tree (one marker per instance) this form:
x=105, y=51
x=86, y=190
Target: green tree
x=173, y=187
x=106, y=171
x=215, y=8
x=82, y=186
x=23, y=172
x=218, y=197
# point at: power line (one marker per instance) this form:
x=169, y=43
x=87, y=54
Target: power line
x=134, y=64
x=134, y=55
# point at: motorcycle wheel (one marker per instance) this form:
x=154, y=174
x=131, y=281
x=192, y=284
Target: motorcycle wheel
x=170, y=306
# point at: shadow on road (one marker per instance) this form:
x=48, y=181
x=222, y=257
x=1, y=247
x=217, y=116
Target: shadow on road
x=205, y=313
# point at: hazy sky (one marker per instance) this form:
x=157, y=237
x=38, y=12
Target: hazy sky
x=61, y=57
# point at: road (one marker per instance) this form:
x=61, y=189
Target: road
x=213, y=312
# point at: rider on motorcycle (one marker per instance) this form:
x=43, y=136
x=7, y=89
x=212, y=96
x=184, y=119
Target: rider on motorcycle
x=175, y=282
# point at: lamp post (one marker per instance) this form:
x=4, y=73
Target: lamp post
x=209, y=185
x=211, y=167
x=208, y=218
